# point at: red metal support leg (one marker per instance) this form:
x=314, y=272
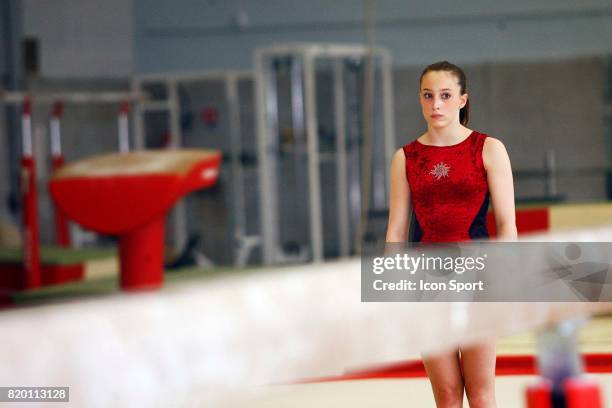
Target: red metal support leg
x=539, y=395
x=141, y=252
x=582, y=393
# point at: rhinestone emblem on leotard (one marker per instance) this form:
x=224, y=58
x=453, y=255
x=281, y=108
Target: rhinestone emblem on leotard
x=440, y=170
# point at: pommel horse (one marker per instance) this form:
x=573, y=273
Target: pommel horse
x=129, y=195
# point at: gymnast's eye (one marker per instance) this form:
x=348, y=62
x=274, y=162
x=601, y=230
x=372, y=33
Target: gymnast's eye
x=427, y=95
x=446, y=95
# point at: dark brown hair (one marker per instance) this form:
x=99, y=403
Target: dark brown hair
x=464, y=113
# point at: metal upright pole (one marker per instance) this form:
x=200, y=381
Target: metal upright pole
x=354, y=141
x=176, y=139
x=123, y=127
x=299, y=138
x=139, y=131
x=550, y=165
x=267, y=152
x=314, y=178
x=379, y=157
x=62, y=232
x=55, y=129
x=231, y=96
x=341, y=162
x=388, y=113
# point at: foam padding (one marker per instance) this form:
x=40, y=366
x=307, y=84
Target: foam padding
x=567, y=216
x=528, y=220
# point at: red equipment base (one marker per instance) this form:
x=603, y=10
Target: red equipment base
x=539, y=395
x=581, y=393
x=128, y=195
x=141, y=253
x=577, y=393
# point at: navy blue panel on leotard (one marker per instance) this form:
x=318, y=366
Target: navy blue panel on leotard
x=478, y=229
x=416, y=233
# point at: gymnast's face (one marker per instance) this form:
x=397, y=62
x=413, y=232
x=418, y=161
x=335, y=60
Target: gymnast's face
x=441, y=98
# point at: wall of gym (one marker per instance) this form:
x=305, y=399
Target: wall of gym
x=545, y=60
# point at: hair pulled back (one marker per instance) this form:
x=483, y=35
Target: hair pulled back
x=464, y=113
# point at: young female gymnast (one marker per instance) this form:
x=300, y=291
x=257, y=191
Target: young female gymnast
x=446, y=177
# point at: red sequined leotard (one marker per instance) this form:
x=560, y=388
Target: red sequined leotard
x=448, y=190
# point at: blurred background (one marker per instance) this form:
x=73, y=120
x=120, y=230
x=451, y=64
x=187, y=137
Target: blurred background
x=306, y=101
x=539, y=78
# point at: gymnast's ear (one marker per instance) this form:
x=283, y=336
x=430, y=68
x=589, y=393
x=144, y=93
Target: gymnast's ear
x=464, y=100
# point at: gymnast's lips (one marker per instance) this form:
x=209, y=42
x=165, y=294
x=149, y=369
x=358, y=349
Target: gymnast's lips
x=436, y=116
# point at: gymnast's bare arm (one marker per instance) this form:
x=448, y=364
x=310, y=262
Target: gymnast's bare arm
x=501, y=187
x=399, y=200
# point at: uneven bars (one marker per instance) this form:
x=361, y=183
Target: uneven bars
x=71, y=97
